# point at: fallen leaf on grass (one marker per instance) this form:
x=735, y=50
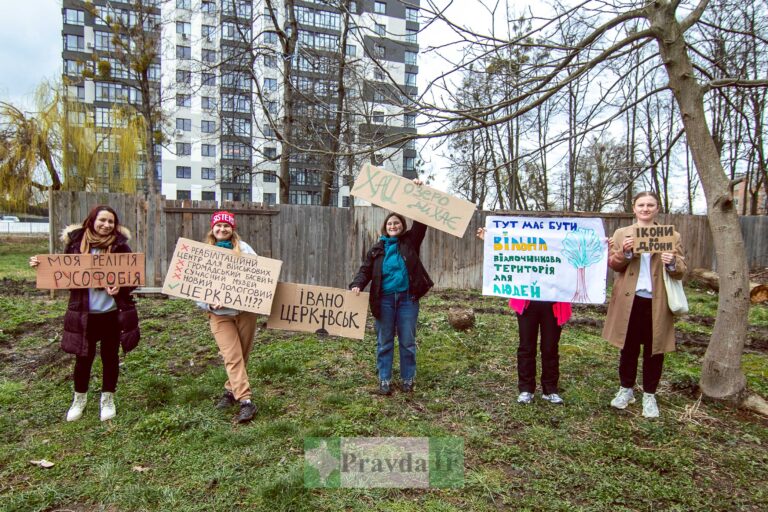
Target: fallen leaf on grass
x=42, y=463
x=140, y=469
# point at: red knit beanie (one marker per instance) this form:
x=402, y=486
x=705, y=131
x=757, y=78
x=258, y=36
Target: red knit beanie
x=223, y=216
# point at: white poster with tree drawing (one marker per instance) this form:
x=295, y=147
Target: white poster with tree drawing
x=549, y=259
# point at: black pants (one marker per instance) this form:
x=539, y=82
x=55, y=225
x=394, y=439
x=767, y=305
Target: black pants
x=101, y=327
x=640, y=333
x=538, y=315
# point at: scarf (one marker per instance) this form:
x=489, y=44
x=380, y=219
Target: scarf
x=93, y=240
x=227, y=244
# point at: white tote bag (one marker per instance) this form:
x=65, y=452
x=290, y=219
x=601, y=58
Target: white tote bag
x=678, y=304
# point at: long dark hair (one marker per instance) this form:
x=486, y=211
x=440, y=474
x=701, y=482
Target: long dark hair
x=90, y=221
x=402, y=221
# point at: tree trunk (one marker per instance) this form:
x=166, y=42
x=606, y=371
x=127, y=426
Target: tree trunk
x=721, y=375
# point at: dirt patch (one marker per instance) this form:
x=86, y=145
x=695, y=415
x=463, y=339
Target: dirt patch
x=19, y=288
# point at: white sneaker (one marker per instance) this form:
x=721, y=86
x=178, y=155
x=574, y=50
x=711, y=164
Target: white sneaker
x=108, y=410
x=553, y=398
x=75, y=411
x=623, y=398
x=650, y=408
x=525, y=397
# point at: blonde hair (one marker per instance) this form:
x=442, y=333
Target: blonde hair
x=235, y=238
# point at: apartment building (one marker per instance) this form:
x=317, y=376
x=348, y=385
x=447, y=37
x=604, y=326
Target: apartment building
x=219, y=79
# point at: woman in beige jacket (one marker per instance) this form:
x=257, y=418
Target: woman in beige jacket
x=638, y=314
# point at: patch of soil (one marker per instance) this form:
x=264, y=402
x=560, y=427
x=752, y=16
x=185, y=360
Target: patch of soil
x=37, y=361
x=20, y=287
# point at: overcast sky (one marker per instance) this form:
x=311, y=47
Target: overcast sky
x=30, y=47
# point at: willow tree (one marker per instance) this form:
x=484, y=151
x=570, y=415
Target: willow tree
x=61, y=147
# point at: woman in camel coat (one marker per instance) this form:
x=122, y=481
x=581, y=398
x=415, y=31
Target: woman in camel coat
x=638, y=314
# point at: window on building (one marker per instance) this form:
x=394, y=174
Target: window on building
x=207, y=103
x=183, y=124
x=183, y=76
x=208, y=126
x=270, y=84
x=80, y=92
x=74, y=17
x=118, y=93
x=235, y=174
x=377, y=117
x=209, y=79
x=353, y=7
x=270, y=61
x=409, y=120
x=411, y=35
x=268, y=132
x=183, y=100
x=208, y=150
x=378, y=96
x=183, y=172
x=208, y=173
x=183, y=149
x=270, y=152
x=345, y=201
x=410, y=79
x=103, y=41
x=270, y=198
x=208, y=195
x=154, y=72
x=380, y=7
x=73, y=67
x=208, y=32
x=378, y=74
x=183, y=195
x=379, y=51
x=411, y=14
x=269, y=177
x=272, y=107
x=184, y=28
x=409, y=163
x=410, y=58
x=236, y=150
x=351, y=50
x=183, y=52
x=270, y=37
x=236, y=102
x=103, y=117
x=184, y=4
x=304, y=197
x=209, y=56
x=380, y=29
x=208, y=7
x=239, y=8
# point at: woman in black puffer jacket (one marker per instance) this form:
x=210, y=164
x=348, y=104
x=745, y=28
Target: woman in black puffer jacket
x=106, y=314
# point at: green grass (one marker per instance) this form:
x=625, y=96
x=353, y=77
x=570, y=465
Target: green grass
x=169, y=449
x=14, y=253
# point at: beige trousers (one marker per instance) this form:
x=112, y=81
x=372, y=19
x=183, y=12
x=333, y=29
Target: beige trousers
x=234, y=336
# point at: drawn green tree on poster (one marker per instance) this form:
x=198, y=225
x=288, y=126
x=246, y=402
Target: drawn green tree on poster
x=582, y=248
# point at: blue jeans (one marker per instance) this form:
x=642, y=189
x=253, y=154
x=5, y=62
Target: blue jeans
x=399, y=313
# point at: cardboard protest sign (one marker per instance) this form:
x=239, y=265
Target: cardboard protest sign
x=215, y=275
x=301, y=307
x=422, y=203
x=73, y=271
x=653, y=239
x=546, y=259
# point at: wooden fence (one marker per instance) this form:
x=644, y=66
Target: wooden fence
x=324, y=245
